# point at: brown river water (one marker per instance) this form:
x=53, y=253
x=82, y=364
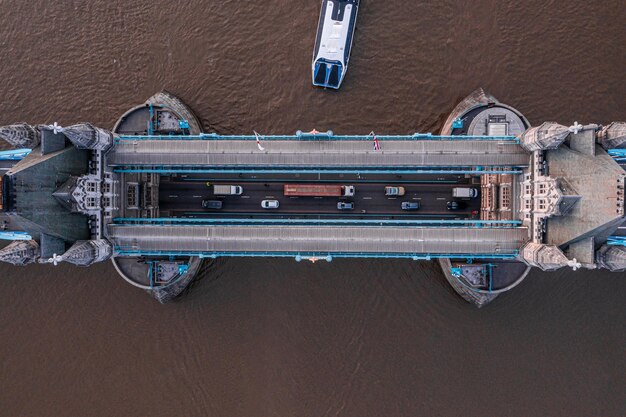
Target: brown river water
x=272, y=337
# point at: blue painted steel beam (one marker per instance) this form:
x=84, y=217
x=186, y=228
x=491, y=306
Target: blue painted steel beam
x=369, y=222
x=320, y=136
x=317, y=255
x=616, y=240
x=618, y=154
x=14, y=154
x=6, y=235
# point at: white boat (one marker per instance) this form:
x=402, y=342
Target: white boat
x=335, y=32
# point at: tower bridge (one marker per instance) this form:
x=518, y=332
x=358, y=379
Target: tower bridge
x=491, y=196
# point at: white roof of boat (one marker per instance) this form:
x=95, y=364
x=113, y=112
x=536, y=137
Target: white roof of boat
x=335, y=34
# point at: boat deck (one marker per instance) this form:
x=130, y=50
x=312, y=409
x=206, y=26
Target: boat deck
x=333, y=42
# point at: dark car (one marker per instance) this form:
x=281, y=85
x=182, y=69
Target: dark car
x=212, y=204
x=343, y=205
x=410, y=205
x=455, y=205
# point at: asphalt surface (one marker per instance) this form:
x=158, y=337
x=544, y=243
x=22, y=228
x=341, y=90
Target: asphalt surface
x=5, y=165
x=183, y=198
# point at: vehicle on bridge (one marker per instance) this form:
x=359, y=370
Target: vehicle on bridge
x=212, y=204
x=270, y=204
x=393, y=191
x=318, y=190
x=222, y=189
x=455, y=205
x=464, y=192
x=410, y=205
x=345, y=205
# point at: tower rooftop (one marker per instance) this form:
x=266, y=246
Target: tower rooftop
x=595, y=179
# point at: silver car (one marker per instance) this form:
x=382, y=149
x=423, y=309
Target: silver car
x=269, y=204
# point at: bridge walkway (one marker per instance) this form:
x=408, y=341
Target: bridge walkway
x=309, y=154
x=211, y=239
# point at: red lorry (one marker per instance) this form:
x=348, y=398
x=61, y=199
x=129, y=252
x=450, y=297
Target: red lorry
x=318, y=190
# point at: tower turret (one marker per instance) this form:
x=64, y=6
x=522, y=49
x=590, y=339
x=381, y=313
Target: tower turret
x=85, y=253
x=548, y=135
x=546, y=257
x=87, y=136
x=613, y=135
x=612, y=257
x=21, y=135
x=20, y=252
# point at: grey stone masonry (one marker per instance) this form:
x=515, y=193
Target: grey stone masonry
x=546, y=257
x=549, y=135
x=613, y=136
x=21, y=135
x=85, y=253
x=170, y=101
x=87, y=136
x=612, y=258
x=20, y=252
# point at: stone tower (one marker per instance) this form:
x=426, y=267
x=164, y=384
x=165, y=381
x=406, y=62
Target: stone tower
x=87, y=136
x=20, y=252
x=85, y=253
x=21, y=135
x=549, y=135
x=546, y=257
x=612, y=257
x=613, y=135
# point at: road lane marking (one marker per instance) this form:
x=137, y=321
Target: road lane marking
x=197, y=196
x=245, y=196
x=367, y=198
x=173, y=196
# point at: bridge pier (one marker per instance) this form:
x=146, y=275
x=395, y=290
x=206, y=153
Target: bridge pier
x=482, y=113
x=164, y=278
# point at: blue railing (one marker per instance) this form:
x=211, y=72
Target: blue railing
x=14, y=154
x=321, y=222
x=214, y=169
x=618, y=154
x=314, y=256
x=320, y=136
x=6, y=235
x=616, y=240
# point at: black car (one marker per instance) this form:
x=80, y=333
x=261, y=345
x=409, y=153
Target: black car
x=455, y=205
x=212, y=204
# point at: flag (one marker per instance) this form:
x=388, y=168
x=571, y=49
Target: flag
x=376, y=144
x=258, y=141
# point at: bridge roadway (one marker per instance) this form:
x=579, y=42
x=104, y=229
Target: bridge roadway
x=6, y=165
x=313, y=154
x=183, y=199
x=285, y=239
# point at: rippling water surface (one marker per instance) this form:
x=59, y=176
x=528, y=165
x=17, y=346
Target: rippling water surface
x=265, y=337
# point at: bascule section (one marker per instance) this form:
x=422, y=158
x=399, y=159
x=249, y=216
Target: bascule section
x=315, y=195
x=489, y=197
x=349, y=187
